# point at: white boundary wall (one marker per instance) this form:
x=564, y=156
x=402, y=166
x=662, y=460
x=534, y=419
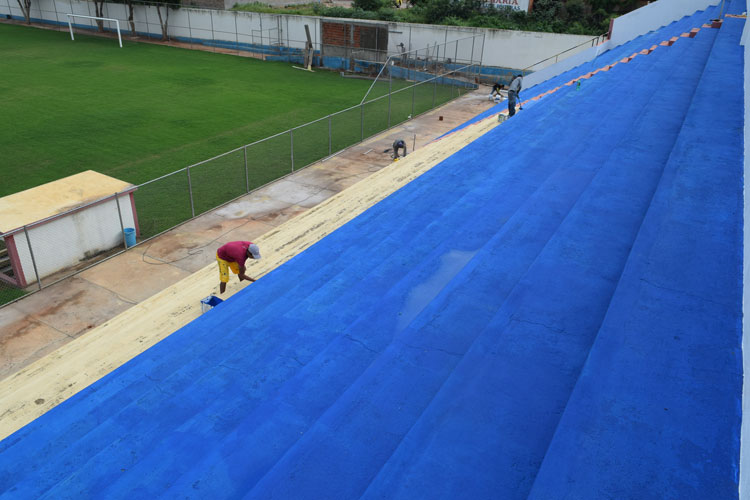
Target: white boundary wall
x=568, y=63
x=654, y=16
x=503, y=48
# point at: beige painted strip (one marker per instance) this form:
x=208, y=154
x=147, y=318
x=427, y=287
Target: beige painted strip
x=51, y=380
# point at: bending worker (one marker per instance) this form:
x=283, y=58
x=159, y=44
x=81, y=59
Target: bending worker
x=233, y=256
x=513, y=90
x=398, y=144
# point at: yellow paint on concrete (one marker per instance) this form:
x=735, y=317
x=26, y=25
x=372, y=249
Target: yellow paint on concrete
x=51, y=380
x=35, y=204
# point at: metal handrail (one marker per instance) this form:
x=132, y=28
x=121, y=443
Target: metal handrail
x=556, y=56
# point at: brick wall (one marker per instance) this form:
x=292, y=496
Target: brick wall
x=340, y=35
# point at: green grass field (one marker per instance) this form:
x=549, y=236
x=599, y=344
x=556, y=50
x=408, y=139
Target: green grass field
x=144, y=110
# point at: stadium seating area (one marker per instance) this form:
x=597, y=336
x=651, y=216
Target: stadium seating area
x=553, y=312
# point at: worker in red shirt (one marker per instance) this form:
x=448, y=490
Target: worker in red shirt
x=232, y=256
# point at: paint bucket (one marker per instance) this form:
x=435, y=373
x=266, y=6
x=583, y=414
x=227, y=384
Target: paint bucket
x=129, y=237
x=210, y=302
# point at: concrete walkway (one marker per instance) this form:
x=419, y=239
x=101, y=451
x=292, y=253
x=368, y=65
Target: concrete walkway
x=52, y=317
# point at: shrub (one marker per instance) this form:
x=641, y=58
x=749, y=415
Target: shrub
x=370, y=5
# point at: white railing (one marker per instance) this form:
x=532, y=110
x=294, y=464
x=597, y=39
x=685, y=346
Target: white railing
x=591, y=43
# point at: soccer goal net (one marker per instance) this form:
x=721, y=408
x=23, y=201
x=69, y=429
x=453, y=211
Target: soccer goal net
x=73, y=16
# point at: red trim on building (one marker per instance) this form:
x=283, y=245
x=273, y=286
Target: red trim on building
x=15, y=261
x=135, y=213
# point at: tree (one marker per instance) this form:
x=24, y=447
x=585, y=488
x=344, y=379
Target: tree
x=164, y=21
x=575, y=10
x=26, y=9
x=437, y=10
x=372, y=5
x=130, y=4
x=99, y=8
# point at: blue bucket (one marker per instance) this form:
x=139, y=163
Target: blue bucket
x=210, y=302
x=129, y=237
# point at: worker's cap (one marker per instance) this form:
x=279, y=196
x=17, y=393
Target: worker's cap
x=253, y=251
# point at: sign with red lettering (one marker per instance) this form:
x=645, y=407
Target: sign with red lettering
x=524, y=5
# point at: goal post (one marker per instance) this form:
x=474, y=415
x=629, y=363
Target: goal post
x=70, y=24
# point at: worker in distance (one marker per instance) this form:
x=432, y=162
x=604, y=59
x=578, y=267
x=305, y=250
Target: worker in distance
x=232, y=256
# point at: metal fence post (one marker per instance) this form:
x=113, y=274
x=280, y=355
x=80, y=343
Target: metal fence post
x=236, y=34
x=33, y=260
x=472, y=50
x=362, y=121
x=481, y=56
x=413, y=96
x=434, y=86
x=291, y=141
x=190, y=190
x=122, y=226
x=247, y=174
x=213, y=37
x=455, y=57
x=330, y=135
x=57, y=18
x=408, y=66
x=453, y=83
x=148, y=24
x=390, y=91
x=190, y=29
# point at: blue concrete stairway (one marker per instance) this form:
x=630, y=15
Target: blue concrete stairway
x=505, y=326
x=673, y=327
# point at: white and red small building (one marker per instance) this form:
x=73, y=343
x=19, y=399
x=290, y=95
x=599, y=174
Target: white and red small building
x=67, y=222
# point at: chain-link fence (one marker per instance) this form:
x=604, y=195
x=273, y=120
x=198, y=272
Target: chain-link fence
x=217, y=30
x=344, y=44
x=233, y=32
x=41, y=253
